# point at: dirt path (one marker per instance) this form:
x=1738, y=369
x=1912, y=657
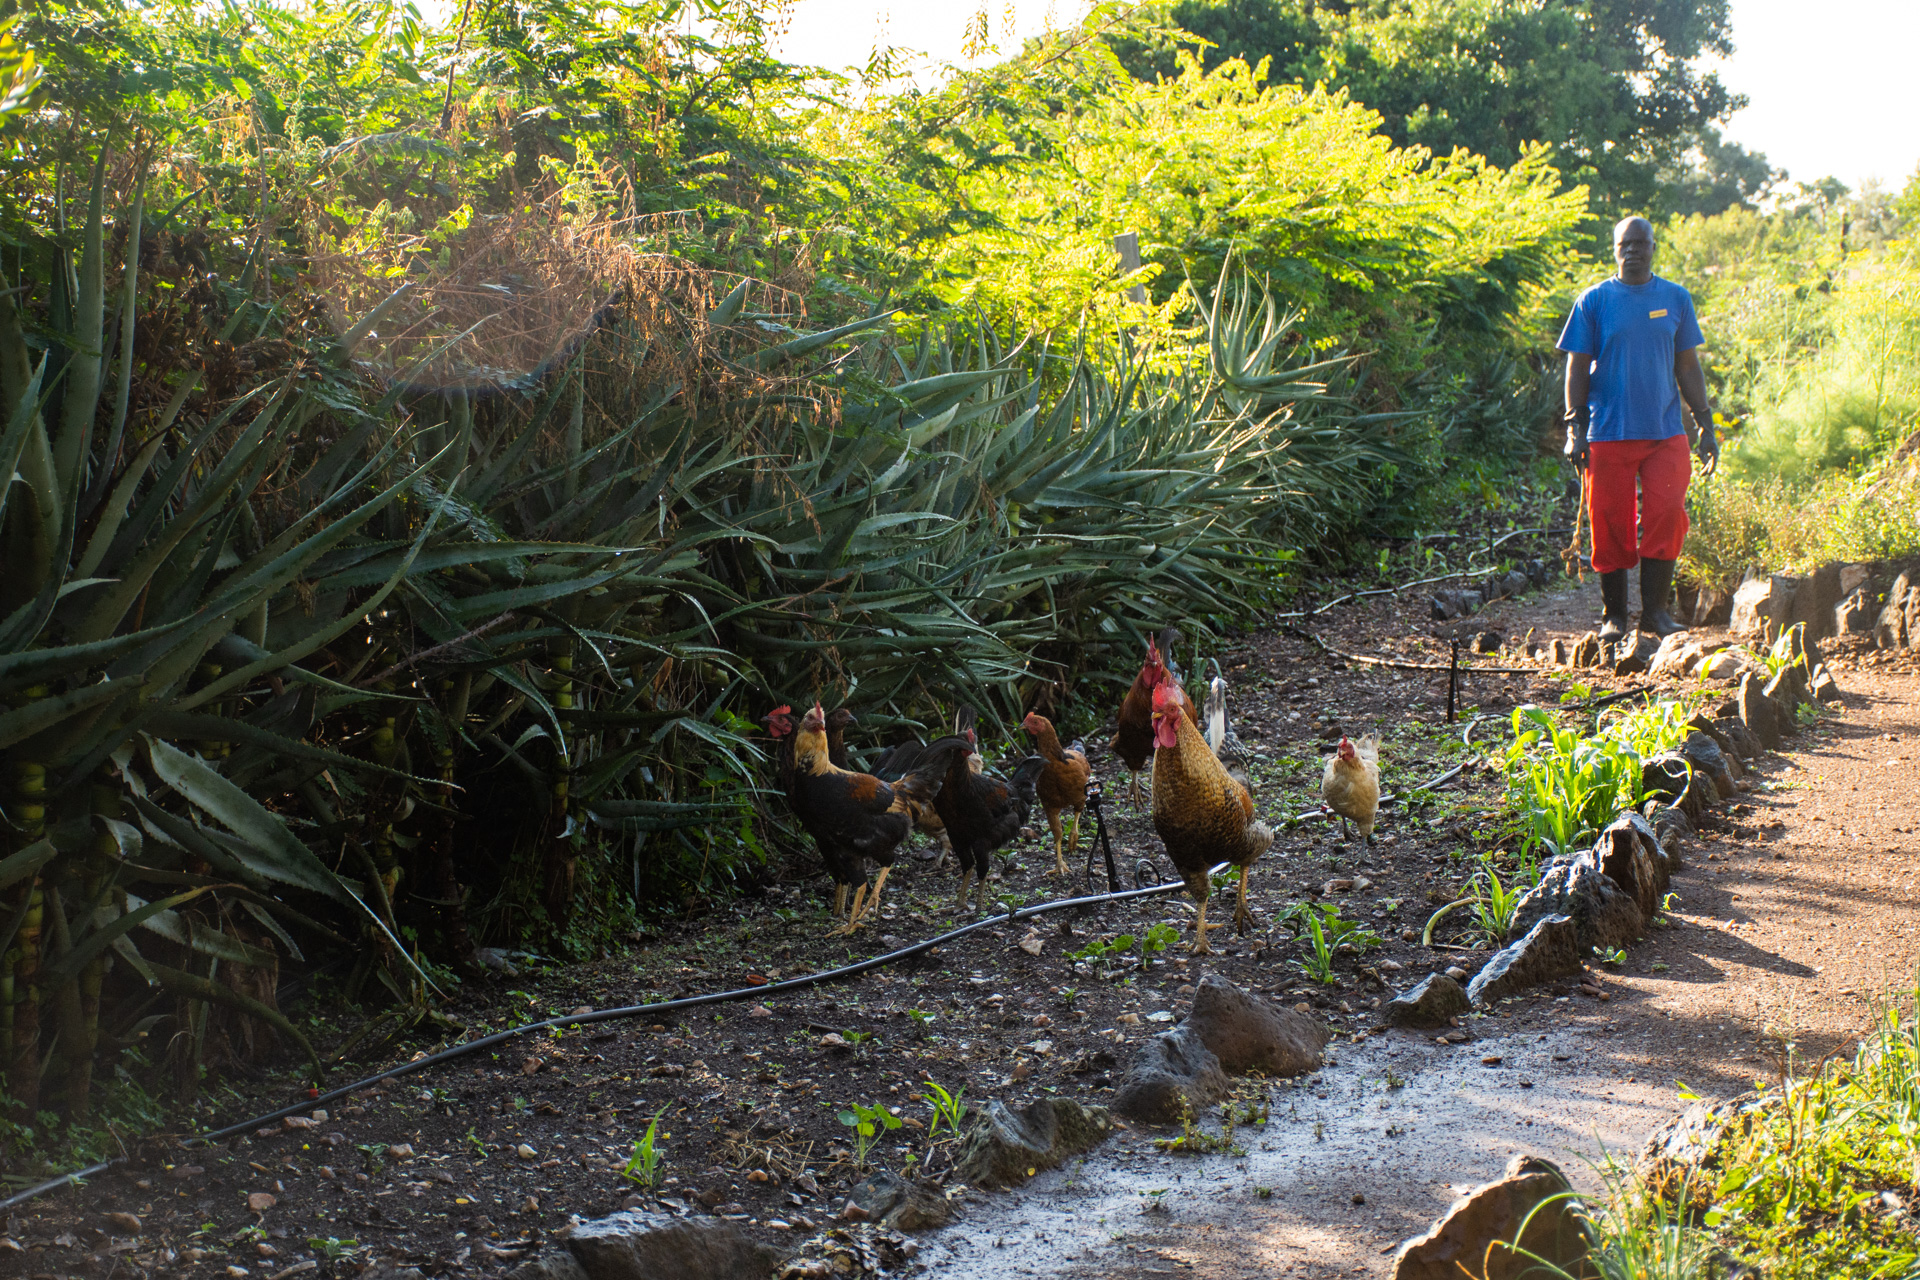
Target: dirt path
x=1791, y=919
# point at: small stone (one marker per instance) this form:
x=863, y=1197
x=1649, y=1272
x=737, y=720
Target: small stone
x=531, y=1066
x=237, y=1272
x=126, y=1222
x=526, y=1152
x=400, y=1151
x=265, y=1250
x=299, y=1122
x=182, y=1172
x=320, y=1116
x=1337, y=886
x=1491, y=1060
x=1359, y=1198
x=759, y=1011
x=1456, y=973
x=1031, y=943
x=1128, y=1019
x=1431, y=1003
x=530, y=1205
x=260, y=1202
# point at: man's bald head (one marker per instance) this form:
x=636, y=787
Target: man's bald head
x=1633, y=250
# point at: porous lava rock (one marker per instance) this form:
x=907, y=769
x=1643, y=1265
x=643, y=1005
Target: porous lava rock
x=637, y=1244
x=1705, y=754
x=1005, y=1147
x=1603, y=914
x=1586, y=651
x=1814, y=598
x=1630, y=854
x=1532, y=1207
x=1551, y=949
x=1759, y=713
x=1436, y=1000
x=1173, y=1077
x=1761, y=606
x=1247, y=1033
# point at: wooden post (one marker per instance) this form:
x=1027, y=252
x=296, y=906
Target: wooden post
x=1127, y=245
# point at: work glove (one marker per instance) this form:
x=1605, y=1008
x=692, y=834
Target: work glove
x=1576, y=448
x=1709, y=450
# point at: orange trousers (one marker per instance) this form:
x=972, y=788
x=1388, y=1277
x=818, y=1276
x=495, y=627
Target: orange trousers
x=1662, y=469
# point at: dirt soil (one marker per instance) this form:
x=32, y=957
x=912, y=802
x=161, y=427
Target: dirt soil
x=1795, y=912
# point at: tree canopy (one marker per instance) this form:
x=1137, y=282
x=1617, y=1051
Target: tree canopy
x=1618, y=88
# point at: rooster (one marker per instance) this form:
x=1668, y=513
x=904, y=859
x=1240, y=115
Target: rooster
x=855, y=816
x=1221, y=738
x=1133, y=737
x=982, y=811
x=1350, y=786
x=1202, y=814
x=1062, y=784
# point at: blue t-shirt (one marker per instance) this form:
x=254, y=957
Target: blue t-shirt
x=1633, y=332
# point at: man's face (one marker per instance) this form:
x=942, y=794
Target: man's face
x=1633, y=249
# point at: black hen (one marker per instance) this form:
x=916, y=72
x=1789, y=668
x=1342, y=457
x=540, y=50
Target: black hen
x=983, y=811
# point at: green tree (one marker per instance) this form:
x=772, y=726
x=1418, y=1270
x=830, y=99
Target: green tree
x=1616, y=87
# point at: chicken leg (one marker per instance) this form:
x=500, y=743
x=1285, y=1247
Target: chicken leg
x=1242, y=918
x=1059, y=859
x=853, y=916
x=966, y=879
x=872, y=907
x=1200, y=927
x=839, y=900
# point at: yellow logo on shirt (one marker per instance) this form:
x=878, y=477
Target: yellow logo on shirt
x=1655, y=315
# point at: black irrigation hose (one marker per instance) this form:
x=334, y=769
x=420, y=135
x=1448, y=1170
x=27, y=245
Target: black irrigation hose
x=610, y=1015
x=1417, y=582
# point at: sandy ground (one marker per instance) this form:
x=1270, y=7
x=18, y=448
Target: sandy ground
x=1790, y=922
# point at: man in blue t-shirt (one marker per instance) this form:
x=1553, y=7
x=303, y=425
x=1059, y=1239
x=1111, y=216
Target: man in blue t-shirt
x=1631, y=360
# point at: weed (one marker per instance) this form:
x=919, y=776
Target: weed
x=1610, y=955
x=949, y=1109
x=1318, y=964
x=332, y=1248
x=867, y=1123
x=648, y=1160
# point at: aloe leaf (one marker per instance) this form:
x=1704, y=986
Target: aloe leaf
x=80, y=394
x=40, y=714
x=27, y=862
x=99, y=939
x=273, y=851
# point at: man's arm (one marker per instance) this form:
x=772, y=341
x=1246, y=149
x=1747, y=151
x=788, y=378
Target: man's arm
x=1693, y=389
x=1579, y=376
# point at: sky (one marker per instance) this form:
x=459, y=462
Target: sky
x=1832, y=82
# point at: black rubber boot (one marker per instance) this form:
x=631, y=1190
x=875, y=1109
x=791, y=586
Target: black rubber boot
x=1613, y=599
x=1656, y=592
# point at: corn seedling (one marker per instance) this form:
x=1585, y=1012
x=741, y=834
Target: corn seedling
x=648, y=1161
x=949, y=1109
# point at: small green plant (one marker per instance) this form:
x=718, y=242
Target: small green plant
x=949, y=1109
x=922, y=1019
x=867, y=1123
x=648, y=1161
x=476, y=1147
x=333, y=1248
x=1610, y=955
x=1102, y=948
x=1157, y=938
x=1318, y=963
x=1068, y=995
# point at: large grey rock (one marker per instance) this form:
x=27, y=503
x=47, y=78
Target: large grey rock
x=1550, y=950
x=1759, y=713
x=1711, y=607
x=636, y=1244
x=1761, y=606
x=1787, y=691
x=1586, y=651
x=1891, y=631
x=1814, y=599
x=1632, y=655
x=1824, y=688
x=1689, y=1145
x=1672, y=825
x=1629, y=854
x=1433, y=1003
x=1532, y=1207
x=1704, y=754
x=1603, y=914
x=1247, y=1033
x=1716, y=733
x=894, y=1202
x=1746, y=744
x=1006, y=1147
x=1853, y=577
x=1672, y=777
x=1173, y=1077
x=1855, y=615
x=1676, y=657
